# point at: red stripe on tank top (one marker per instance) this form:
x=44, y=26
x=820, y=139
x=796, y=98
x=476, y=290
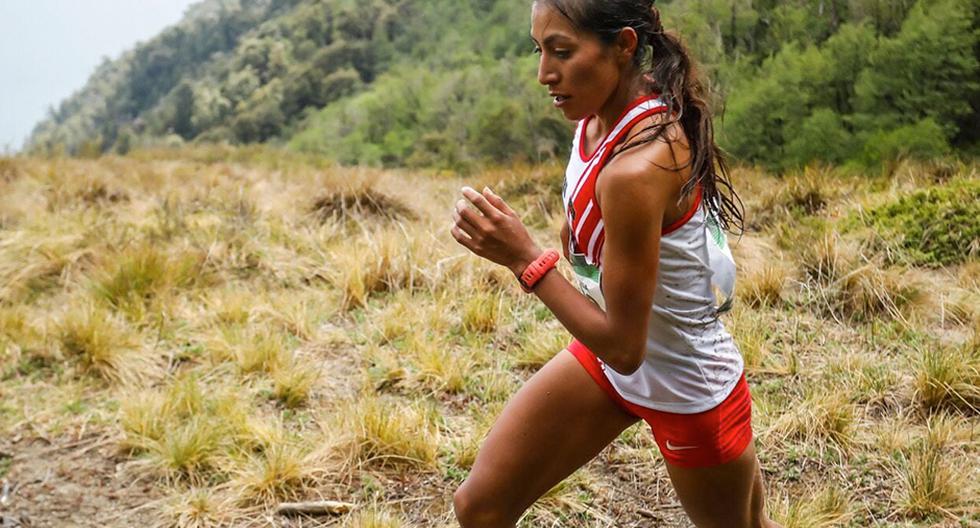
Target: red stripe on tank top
x=584, y=225
x=585, y=125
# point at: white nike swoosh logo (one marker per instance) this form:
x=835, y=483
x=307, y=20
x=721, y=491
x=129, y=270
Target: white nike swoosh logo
x=678, y=448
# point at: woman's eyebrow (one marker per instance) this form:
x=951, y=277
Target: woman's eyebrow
x=550, y=38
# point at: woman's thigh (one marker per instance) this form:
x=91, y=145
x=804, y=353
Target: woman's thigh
x=729, y=495
x=559, y=420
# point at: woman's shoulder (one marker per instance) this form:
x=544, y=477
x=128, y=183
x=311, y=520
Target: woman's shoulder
x=651, y=153
x=652, y=168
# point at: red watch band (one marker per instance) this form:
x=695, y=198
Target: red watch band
x=537, y=269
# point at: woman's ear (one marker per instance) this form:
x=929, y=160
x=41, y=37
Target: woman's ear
x=626, y=44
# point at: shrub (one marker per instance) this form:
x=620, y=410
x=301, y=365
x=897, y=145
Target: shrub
x=937, y=226
x=922, y=141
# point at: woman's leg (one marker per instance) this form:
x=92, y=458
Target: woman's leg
x=730, y=495
x=559, y=420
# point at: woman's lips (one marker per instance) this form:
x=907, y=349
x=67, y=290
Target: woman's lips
x=560, y=100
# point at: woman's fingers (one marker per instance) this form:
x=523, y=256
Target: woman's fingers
x=481, y=203
x=498, y=202
x=462, y=238
x=464, y=225
x=473, y=217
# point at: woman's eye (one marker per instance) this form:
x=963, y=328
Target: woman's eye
x=562, y=53
x=537, y=50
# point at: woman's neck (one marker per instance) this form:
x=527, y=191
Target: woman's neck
x=625, y=93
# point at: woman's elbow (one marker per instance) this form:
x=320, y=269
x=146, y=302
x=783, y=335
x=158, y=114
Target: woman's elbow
x=627, y=363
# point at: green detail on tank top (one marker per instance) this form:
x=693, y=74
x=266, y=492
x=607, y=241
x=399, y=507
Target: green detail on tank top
x=716, y=233
x=583, y=268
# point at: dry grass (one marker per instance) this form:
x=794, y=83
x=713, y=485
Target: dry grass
x=541, y=344
x=481, y=312
x=103, y=345
x=199, y=508
x=258, y=327
x=374, y=518
x=947, y=376
x=750, y=328
x=293, y=382
x=930, y=483
x=279, y=472
x=763, y=287
x=382, y=433
x=822, y=508
x=437, y=366
x=822, y=416
x=140, y=275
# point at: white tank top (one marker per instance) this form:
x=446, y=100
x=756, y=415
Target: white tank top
x=691, y=362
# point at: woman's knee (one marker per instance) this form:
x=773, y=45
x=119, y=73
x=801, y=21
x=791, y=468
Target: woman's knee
x=476, y=508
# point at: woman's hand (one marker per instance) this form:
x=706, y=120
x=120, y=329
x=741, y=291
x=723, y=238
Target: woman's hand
x=493, y=230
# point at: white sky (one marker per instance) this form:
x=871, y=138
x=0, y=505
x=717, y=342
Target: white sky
x=48, y=49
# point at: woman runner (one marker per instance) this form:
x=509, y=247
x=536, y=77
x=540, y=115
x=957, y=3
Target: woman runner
x=644, y=209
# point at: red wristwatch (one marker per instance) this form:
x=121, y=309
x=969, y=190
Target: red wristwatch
x=537, y=269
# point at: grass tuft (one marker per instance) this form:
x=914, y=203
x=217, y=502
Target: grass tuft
x=374, y=518
x=102, y=345
x=823, y=416
x=481, y=313
x=824, y=508
x=384, y=432
x=292, y=382
x=826, y=259
x=751, y=330
x=869, y=291
x=142, y=274
x=542, y=343
x=262, y=352
x=385, y=264
x=143, y=418
x=929, y=482
x=438, y=366
x=360, y=201
x=763, y=287
x=188, y=448
x=947, y=376
x=280, y=472
x=199, y=508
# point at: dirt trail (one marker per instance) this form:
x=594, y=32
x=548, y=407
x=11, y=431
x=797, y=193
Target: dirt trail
x=65, y=481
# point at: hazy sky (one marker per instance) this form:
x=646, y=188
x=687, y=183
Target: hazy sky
x=48, y=48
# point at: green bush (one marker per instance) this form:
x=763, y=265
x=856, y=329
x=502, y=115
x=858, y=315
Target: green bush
x=923, y=140
x=937, y=226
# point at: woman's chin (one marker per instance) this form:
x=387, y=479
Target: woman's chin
x=571, y=113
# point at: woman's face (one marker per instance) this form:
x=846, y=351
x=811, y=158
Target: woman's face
x=581, y=73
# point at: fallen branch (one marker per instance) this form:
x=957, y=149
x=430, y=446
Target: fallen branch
x=314, y=508
x=5, y=495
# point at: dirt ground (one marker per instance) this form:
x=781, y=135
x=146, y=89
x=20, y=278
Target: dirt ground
x=87, y=482
x=56, y=482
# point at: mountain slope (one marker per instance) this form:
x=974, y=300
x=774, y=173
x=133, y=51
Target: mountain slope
x=448, y=82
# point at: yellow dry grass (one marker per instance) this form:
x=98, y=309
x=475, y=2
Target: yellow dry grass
x=256, y=326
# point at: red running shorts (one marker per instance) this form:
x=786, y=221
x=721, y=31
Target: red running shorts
x=703, y=439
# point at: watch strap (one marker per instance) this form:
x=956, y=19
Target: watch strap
x=537, y=269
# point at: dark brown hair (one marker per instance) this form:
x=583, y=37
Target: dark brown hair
x=664, y=62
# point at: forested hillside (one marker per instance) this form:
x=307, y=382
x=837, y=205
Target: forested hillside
x=447, y=83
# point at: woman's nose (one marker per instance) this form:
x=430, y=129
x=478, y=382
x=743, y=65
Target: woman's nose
x=546, y=75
